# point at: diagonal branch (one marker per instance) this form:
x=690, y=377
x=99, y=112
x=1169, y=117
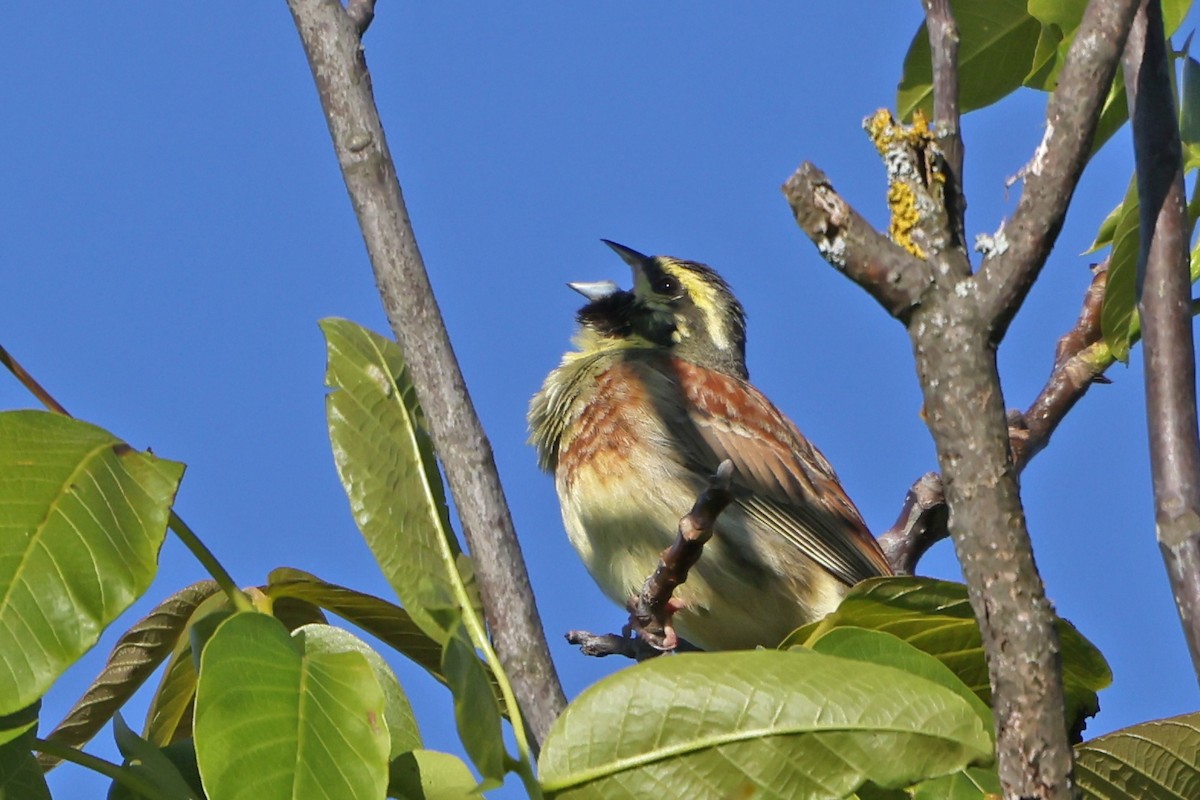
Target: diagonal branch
x=331, y=41
x=1164, y=304
x=1050, y=178
x=852, y=246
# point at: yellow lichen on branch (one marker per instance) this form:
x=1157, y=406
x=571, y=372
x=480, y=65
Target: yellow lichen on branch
x=914, y=172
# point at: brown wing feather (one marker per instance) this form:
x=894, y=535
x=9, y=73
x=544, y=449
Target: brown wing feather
x=786, y=484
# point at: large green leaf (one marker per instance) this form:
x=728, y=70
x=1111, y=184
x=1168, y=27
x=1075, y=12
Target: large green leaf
x=133, y=659
x=998, y=42
x=276, y=723
x=786, y=724
x=82, y=517
x=877, y=647
x=1157, y=760
x=936, y=617
x=401, y=723
x=388, y=468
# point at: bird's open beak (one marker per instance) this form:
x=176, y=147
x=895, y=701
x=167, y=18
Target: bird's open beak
x=630, y=256
x=595, y=290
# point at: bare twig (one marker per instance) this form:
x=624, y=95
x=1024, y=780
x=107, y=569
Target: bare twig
x=332, y=44
x=1164, y=304
x=888, y=273
x=1050, y=177
x=921, y=524
x=649, y=631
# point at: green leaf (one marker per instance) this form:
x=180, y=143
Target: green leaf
x=431, y=775
x=1174, y=13
x=401, y=723
x=1152, y=761
x=133, y=659
x=936, y=617
x=972, y=783
x=20, y=776
x=150, y=764
x=1118, y=312
x=82, y=517
x=1189, y=113
x=181, y=755
x=877, y=647
x=388, y=469
x=785, y=724
x=476, y=711
x=386, y=621
x=274, y=722
x=1107, y=230
x=14, y=724
x=170, y=714
x=998, y=41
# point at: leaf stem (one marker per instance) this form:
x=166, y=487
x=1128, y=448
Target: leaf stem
x=127, y=778
x=209, y=561
x=478, y=633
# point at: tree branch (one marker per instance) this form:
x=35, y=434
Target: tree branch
x=331, y=41
x=1025, y=241
x=943, y=45
x=894, y=277
x=1164, y=304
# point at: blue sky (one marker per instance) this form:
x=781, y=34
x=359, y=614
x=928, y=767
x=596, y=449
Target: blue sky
x=174, y=225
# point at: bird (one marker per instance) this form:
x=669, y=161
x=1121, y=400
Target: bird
x=634, y=422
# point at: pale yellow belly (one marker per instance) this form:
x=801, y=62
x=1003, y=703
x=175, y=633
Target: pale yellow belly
x=751, y=587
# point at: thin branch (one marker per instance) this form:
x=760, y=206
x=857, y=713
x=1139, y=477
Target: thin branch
x=921, y=525
x=852, y=246
x=1164, y=305
x=362, y=14
x=331, y=41
x=943, y=47
x=1026, y=239
x=649, y=631
x=1077, y=365
x=650, y=612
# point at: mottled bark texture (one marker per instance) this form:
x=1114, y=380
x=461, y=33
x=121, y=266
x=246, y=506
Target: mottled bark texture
x=331, y=37
x=956, y=320
x=1164, y=303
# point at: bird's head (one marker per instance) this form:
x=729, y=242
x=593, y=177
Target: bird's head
x=681, y=305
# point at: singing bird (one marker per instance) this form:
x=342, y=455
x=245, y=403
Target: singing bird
x=635, y=421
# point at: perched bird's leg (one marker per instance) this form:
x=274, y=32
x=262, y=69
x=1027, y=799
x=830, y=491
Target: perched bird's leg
x=651, y=610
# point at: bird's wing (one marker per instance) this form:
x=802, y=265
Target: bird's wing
x=782, y=481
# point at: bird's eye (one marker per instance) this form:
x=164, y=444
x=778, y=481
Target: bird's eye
x=666, y=285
